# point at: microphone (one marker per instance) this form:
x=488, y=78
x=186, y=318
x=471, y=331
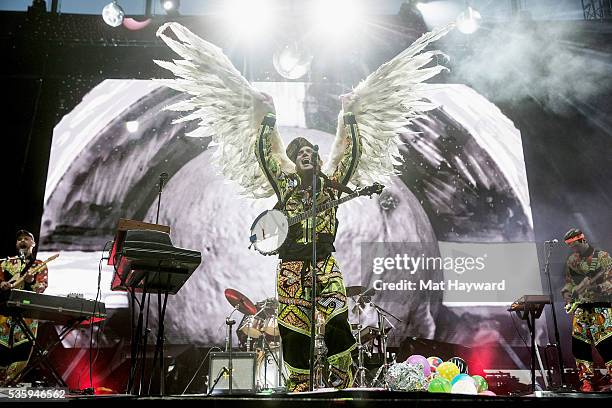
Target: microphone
x=22, y=253
x=163, y=179
x=315, y=156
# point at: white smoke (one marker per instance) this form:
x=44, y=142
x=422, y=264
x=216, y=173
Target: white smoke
x=546, y=61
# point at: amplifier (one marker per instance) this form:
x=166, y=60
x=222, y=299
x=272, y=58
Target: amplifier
x=243, y=377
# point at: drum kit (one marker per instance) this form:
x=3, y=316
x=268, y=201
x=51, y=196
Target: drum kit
x=258, y=331
x=371, y=340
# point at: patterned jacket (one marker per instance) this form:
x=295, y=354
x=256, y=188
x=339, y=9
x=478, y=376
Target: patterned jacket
x=295, y=200
x=11, y=334
x=580, y=267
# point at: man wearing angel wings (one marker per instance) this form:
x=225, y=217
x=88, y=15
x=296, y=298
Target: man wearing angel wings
x=241, y=121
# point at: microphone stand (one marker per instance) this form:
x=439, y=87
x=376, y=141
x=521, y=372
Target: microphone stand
x=313, y=270
x=163, y=178
x=382, y=317
x=548, y=250
x=159, y=343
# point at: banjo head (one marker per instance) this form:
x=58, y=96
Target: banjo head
x=269, y=231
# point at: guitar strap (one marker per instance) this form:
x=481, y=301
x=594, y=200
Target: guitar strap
x=281, y=205
x=327, y=181
x=336, y=186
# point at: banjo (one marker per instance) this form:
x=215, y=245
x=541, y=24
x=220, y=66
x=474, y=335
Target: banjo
x=270, y=229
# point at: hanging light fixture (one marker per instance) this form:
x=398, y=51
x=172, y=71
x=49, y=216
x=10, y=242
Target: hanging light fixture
x=113, y=14
x=171, y=7
x=292, y=61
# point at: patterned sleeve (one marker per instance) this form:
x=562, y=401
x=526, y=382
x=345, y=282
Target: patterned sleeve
x=569, y=282
x=267, y=162
x=605, y=262
x=352, y=150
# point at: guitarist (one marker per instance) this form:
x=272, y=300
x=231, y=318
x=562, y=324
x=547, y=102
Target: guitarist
x=588, y=287
x=294, y=271
x=15, y=348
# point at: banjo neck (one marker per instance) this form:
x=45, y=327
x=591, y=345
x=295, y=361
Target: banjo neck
x=320, y=208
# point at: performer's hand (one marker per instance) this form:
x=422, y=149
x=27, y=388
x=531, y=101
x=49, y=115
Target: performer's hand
x=263, y=106
x=5, y=286
x=567, y=297
x=586, y=282
x=348, y=101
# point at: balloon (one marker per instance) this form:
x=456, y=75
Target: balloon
x=481, y=383
x=448, y=370
x=434, y=362
x=487, y=393
x=440, y=385
x=464, y=387
x=418, y=359
x=459, y=362
x=462, y=377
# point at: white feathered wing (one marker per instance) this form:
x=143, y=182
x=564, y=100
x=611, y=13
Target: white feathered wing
x=227, y=106
x=385, y=103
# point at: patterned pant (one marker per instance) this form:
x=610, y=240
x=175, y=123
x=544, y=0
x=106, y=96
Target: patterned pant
x=591, y=326
x=15, y=348
x=295, y=302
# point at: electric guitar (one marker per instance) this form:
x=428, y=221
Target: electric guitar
x=581, y=287
x=17, y=279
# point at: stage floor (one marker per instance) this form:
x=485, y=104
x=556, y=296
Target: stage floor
x=357, y=398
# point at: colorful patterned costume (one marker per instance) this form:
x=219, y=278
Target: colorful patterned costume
x=294, y=271
x=14, y=345
x=592, y=320
x=229, y=109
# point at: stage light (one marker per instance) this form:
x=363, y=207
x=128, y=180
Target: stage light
x=291, y=61
x=431, y=14
x=113, y=14
x=249, y=16
x=468, y=21
x=132, y=126
x=171, y=6
x=337, y=17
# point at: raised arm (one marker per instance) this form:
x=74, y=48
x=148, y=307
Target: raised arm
x=264, y=151
x=347, y=148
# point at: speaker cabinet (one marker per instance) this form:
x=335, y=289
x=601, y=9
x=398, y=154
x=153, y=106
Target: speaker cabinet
x=243, y=377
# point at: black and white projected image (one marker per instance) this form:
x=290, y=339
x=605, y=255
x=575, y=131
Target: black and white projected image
x=463, y=180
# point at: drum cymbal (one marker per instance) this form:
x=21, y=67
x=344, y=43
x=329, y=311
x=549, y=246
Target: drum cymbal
x=244, y=305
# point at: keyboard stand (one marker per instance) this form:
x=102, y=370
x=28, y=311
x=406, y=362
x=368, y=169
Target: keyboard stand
x=41, y=354
x=530, y=313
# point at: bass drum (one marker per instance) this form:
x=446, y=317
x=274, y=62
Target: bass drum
x=268, y=375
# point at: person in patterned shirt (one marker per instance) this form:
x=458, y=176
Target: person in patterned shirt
x=588, y=289
x=15, y=348
x=293, y=191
